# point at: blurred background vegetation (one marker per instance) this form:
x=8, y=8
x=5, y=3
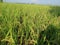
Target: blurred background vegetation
x=1, y=0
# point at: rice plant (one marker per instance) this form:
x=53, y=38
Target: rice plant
x=28, y=24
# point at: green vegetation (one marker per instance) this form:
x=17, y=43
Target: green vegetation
x=1, y=0
x=27, y=24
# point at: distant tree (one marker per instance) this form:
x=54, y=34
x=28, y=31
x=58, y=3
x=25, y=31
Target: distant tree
x=1, y=0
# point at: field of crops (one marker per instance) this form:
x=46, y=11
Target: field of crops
x=29, y=24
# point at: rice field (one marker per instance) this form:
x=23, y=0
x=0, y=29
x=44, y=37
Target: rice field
x=29, y=24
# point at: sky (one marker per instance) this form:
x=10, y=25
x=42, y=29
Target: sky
x=47, y=2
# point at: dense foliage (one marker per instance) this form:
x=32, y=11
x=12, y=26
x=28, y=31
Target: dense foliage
x=23, y=24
